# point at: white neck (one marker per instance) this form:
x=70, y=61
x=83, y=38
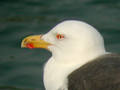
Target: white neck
x=58, y=68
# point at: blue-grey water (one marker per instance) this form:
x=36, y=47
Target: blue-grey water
x=22, y=68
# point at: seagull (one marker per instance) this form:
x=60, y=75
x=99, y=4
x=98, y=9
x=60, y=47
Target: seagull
x=79, y=60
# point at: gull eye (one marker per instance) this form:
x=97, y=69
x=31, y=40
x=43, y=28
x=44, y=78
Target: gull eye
x=59, y=36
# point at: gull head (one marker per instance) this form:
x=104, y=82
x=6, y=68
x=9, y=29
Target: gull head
x=68, y=38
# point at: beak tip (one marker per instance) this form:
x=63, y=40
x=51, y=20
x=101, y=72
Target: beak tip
x=22, y=45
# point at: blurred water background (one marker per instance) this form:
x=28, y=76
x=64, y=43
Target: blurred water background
x=21, y=69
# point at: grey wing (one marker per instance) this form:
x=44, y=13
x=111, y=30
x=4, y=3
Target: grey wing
x=102, y=73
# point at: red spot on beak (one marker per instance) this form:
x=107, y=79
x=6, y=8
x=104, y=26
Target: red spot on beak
x=30, y=45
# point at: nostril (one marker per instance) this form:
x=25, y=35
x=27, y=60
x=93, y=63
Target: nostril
x=32, y=39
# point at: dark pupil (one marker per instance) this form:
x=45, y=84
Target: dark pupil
x=59, y=36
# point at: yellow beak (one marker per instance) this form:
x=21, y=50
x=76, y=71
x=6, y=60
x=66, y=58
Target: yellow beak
x=34, y=41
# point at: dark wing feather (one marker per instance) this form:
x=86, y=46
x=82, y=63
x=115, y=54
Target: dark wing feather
x=102, y=73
